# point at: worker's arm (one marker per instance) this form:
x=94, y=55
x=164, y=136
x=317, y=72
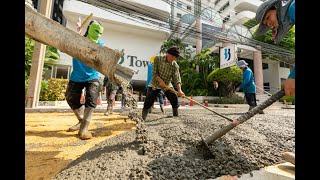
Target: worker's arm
x=155, y=72
x=245, y=80
x=289, y=84
x=176, y=80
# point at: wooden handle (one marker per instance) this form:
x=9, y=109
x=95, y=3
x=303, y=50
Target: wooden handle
x=85, y=21
x=200, y=104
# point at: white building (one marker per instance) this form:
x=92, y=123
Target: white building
x=142, y=39
x=228, y=16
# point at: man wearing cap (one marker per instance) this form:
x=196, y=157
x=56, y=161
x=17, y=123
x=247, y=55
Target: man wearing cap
x=248, y=85
x=165, y=73
x=279, y=15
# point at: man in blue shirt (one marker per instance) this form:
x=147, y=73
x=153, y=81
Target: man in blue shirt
x=279, y=15
x=83, y=76
x=248, y=85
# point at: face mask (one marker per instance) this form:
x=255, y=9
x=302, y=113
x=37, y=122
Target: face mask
x=95, y=31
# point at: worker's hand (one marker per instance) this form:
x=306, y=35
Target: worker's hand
x=79, y=25
x=238, y=89
x=289, y=87
x=180, y=93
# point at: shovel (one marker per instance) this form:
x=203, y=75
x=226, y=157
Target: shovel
x=200, y=104
x=204, y=144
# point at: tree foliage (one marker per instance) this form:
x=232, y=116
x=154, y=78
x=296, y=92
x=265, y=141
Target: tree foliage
x=51, y=56
x=178, y=43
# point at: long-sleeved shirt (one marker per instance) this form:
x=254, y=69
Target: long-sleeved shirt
x=247, y=84
x=168, y=72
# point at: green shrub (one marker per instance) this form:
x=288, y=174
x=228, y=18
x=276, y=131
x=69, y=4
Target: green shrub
x=43, y=89
x=289, y=99
x=232, y=99
x=55, y=90
x=228, y=78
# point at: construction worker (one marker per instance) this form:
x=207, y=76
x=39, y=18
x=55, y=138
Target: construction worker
x=279, y=15
x=165, y=71
x=160, y=93
x=111, y=91
x=248, y=85
x=83, y=76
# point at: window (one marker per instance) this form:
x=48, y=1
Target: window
x=265, y=66
x=179, y=15
x=223, y=7
x=284, y=65
x=62, y=72
x=226, y=19
x=266, y=86
x=179, y=5
x=189, y=7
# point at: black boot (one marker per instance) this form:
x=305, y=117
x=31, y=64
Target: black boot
x=145, y=113
x=79, y=114
x=83, y=132
x=161, y=107
x=175, y=112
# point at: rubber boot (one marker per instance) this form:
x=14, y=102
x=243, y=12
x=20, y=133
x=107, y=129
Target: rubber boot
x=145, y=113
x=111, y=109
x=150, y=110
x=83, y=132
x=175, y=112
x=79, y=114
x=161, y=107
x=107, y=113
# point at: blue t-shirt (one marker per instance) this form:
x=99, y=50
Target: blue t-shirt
x=248, y=84
x=82, y=72
x=292, y=18
x=291, y=12
x=149, y=77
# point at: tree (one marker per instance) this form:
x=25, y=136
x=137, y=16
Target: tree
x=206, y=63
x=178, y=43
x=51, y=56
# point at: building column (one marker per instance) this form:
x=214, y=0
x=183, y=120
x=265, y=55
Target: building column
x=258, y=70
x=39, y=50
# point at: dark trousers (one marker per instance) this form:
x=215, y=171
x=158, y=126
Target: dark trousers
x=251, y=99
x=74, y=91
x=152, y=95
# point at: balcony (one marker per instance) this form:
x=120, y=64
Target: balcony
x=246, y=5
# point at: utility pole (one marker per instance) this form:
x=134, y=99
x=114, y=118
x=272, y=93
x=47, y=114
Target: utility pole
x=39, y=50
x=172, y=15
x=197, y=12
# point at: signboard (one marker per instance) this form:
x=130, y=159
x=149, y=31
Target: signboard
x=227, y=56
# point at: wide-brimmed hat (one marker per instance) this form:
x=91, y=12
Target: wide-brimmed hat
x=242, y=63
x=175, y=51
x=282, y=16
x=262, y=10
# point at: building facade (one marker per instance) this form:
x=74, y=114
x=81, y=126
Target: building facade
x=161, y=19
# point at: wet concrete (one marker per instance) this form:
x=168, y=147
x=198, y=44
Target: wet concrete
x=170, y=150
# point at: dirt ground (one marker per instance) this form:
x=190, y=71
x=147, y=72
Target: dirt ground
x=171, y=150
x=49, y=148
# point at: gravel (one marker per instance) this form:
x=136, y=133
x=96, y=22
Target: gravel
x=170, y=150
